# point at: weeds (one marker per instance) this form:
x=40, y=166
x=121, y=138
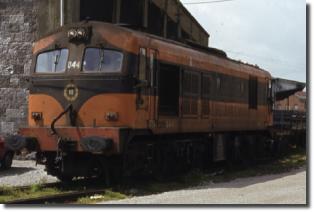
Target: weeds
x=11, y=193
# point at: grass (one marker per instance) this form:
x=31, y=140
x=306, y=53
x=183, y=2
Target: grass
x=294, y=160
x=11, y=193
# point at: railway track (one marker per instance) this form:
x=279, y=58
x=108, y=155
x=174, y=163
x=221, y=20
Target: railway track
x=22, y=188
x=61, y=198
x=65, y=192
x=74, y=184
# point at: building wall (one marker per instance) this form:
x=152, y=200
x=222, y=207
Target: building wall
x=295, y=102
x=17, y=32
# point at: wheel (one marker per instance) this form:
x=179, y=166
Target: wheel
x=7, y=160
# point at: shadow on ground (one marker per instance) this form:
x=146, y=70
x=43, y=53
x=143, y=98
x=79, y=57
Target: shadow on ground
x=248, y=181
x=15, y=171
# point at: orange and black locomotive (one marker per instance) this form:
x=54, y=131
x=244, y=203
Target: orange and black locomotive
x=105, y=99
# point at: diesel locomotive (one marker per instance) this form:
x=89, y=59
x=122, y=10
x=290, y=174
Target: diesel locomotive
x=109, y=100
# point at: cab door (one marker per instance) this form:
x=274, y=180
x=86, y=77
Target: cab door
x=153, y=66
x=146, y=102
x=269, y=101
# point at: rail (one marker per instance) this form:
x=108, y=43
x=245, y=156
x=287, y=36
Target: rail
x=61, y=198
x=66, y=193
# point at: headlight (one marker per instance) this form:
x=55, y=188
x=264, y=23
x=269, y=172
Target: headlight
x=81, y=33
x=72, y=34
x=78, y=34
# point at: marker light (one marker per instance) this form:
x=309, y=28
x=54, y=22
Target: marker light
x=78, y=34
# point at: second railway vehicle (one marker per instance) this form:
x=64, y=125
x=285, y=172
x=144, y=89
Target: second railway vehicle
x=105, y=99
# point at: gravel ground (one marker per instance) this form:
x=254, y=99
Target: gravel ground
x=25, y=173
x=287, y=188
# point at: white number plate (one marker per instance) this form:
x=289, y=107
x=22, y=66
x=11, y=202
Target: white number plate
x=74, y=65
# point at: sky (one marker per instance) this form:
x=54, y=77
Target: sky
x=269, y=33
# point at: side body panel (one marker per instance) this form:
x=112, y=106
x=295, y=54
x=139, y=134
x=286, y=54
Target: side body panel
x=137, y=108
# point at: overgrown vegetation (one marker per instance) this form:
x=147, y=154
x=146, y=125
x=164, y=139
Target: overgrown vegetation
x=295, y=160
x=11, y=193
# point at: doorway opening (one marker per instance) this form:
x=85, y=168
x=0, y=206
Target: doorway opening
x=169, y=89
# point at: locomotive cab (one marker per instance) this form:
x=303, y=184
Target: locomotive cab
x=84, y=71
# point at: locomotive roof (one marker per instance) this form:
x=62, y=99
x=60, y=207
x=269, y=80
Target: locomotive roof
x=206, y=50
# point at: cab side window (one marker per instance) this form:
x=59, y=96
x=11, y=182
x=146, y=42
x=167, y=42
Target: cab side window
x=142, y=72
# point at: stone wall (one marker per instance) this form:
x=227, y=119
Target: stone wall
x=18, y=28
